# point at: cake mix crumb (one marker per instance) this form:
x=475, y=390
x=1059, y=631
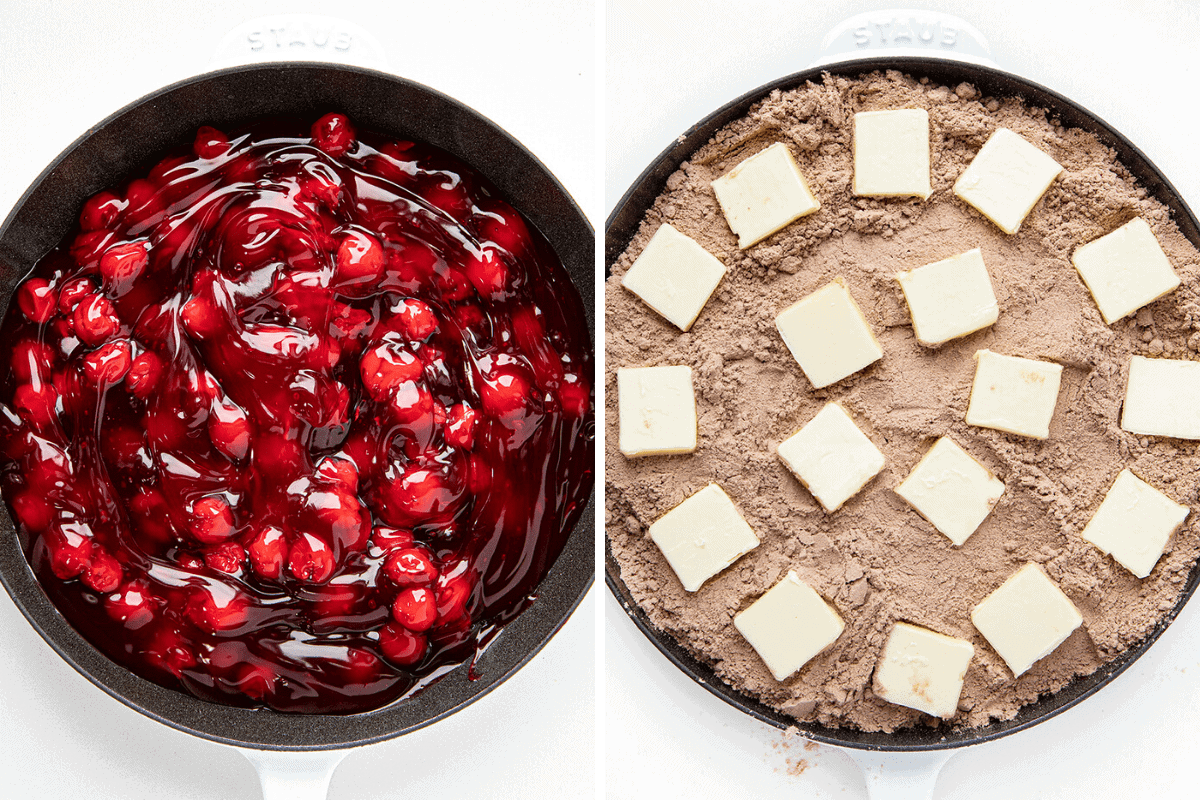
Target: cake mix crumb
x=875, y=559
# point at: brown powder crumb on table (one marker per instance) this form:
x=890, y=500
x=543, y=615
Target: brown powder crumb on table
x=876, y=559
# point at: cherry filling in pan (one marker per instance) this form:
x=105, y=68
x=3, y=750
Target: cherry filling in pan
x=300, y=419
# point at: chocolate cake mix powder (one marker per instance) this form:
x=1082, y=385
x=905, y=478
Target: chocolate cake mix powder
x=875, y=559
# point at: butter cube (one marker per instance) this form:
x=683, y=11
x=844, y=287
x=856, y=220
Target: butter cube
x=789, y=625
x=1125, y=270
x=763, y=193
x=831, y=457
x=828, y=335
x=702, y=536
x=1015, y=395
x=922, y=669
x=1161, y=398
x=675, y=276
x=952, y=490
x=891, y=153
x=1006, y=179
x=949, y=298
x=1134, y=523
x=657, y=411
x=1026, y=619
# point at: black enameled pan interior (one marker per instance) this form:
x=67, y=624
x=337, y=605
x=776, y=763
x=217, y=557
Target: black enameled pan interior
x=128, y=141
x=622, y=225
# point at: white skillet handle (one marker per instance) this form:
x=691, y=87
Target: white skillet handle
x=294, y=776
x=905, y=32
x=299, y=37
x=900, y=776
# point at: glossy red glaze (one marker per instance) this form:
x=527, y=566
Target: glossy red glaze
x=299, y=419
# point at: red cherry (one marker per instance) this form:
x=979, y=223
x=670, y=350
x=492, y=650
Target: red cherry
x=255, y=680
x=144, y=374
x=333, y=134
x=109, y=364
x=103, y=573
x=415, y=608
x=210, y=143
x=411, y=402
x=268, y=550
x=415, y=318
x=419, y=494
x=100, y=211
x=212, y=520
x=37, y=300
x=72, y=292
x=145, y=206
x=362, y=666
x=341, y=513
x=70, y=547
x=190, y=561
x=310, y=559
x=386, y=366
x=460, y=426
x=169, y=651
x=387, y=539
x=123, y=264
x=574, y=396
x=410, y=567
x=452, y=591
x=226, y=557
x=217, y=608
x=95, y=320
x=31, y=357
x=36, y=405
x=133, y=606
x=401, y=646
x=339, y=472
x=33, y=511
x=202, y=318
x=229, y=429
x=88, y=246
x=503, y=226
x=504, y=394
x=487, y=273
x=359, y=258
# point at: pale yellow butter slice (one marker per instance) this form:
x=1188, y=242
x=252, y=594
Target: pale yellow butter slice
x=831, y=457
x=763, y=194
x=923, y=669
x=1125, y=270
x=1026, y=619
x=702, y=536
x=1006, y=179
x=952, y=490
x=1161, y=398
x=789, y=625
x=675, y=276
x=828, y=335
x=949, y=298
x=891, y=153
x=656, y=410
x=1134, y=523
x=1013, y=394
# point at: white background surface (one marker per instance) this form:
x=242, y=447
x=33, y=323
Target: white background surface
x=669, y=64
x=528, y=66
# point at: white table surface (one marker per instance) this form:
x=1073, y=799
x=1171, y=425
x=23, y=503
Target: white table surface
x=532, y=68
x=669, y=64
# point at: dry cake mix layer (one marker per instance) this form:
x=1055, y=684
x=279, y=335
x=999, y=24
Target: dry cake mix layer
x=876, y=560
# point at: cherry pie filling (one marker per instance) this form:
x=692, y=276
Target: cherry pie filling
x=300, y=419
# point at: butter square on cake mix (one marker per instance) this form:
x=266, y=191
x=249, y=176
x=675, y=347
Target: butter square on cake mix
x=1026, y=618
x=831, y=457
x=1134, y=523
x=763, y=194
x=1006, y=179
x=949, y=298
x=891, y=153
x=1125, y=270
x=923, y=669
x=1161, y=398
x=952, y=490
x=702, y=536
x=789, y=625
x=656, y=411
x=828, y=335
x=675, y=276
x=1013, y=394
